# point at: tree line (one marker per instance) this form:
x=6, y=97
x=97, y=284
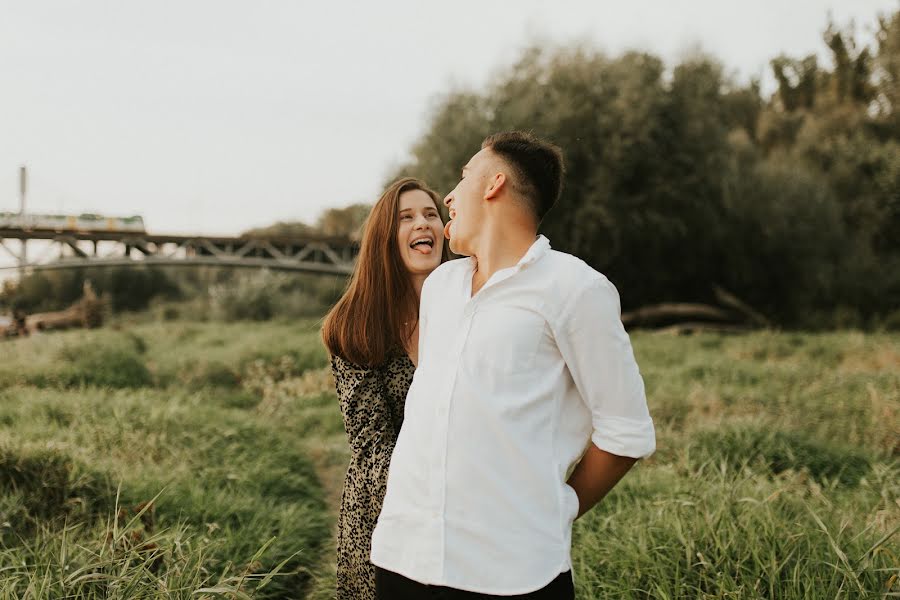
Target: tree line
x=681, y=179
x=132, y=288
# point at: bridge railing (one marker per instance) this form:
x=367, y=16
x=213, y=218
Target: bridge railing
x=71, y=249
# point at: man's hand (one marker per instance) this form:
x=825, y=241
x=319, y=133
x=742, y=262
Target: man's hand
x=596, y=474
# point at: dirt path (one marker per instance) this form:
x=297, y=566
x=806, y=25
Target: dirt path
x=329, y=457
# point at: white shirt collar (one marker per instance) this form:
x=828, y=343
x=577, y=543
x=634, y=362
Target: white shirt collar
x=535, y=252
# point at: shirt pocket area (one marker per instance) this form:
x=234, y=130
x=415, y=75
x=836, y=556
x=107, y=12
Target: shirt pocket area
x=504, y=340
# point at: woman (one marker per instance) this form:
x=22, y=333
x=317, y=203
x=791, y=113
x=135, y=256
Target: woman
x=372, y=334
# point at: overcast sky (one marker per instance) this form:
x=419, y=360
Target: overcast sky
x=212, y=116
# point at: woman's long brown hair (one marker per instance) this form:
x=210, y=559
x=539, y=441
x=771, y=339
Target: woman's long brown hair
x=379, y=308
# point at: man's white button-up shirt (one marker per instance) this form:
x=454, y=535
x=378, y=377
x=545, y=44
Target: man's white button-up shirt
x=511, y=386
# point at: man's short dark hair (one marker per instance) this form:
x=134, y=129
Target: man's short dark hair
x=537, y=165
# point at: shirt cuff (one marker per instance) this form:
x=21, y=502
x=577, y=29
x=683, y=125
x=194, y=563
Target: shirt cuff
x=635, y=438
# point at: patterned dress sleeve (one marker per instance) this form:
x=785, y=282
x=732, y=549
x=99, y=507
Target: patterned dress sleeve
x=363, y=397
x=361, y=393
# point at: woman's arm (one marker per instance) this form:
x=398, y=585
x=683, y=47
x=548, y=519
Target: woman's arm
x=361, y=393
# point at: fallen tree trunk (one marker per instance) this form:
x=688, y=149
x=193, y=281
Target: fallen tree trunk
x=47, y=321
x=87, y=312
x=698, y=327
x=660, y=313
x=735, y=303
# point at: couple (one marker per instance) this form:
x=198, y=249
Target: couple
x=510, y=371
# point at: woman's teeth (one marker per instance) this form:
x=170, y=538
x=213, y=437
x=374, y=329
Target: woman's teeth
x=423, y=246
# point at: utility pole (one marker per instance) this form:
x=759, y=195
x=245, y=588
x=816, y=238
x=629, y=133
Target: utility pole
x=23, y=188
x=23, y=192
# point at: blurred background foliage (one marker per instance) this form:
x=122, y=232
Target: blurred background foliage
x=680, y=179
x=200, y=292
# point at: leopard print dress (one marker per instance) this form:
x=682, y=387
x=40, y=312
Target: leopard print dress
x=372, y=402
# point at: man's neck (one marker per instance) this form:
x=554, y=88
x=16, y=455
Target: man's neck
x=498, y=249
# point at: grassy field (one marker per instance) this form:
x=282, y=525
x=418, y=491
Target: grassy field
x=204, y=460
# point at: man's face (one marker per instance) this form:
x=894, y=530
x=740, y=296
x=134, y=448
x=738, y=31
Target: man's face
x=466, y=203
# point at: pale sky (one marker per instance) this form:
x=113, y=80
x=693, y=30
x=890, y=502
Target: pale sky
x=213, y=116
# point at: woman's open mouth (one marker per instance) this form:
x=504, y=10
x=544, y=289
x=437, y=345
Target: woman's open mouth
x=423, y=245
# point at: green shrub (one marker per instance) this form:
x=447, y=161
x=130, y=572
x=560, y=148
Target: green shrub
x=130, y=287
x=41, y=487
x=777, y=451
x=263, y=295
x=140, y=345
x=201, y=373
x=250, y=297
x=891, y=321
x=107, y=367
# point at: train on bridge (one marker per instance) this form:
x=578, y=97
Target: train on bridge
x=85, y=223
x=88, y=239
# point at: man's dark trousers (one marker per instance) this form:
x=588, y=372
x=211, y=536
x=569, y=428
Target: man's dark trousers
x=391, y=586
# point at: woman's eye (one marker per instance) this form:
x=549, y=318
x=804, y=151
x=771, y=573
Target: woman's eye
x=405, y=217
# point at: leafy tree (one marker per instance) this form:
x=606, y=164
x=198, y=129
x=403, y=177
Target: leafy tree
x=887, y=65
x=347, y=221
x=681, y=179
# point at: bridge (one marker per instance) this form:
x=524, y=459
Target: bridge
x=66, y=249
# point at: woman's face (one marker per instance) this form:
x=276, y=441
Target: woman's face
x=420, y=234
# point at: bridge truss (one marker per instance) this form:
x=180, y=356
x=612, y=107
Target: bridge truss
x=78, y=249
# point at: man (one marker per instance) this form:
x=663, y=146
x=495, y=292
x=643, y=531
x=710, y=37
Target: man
x=525, y=371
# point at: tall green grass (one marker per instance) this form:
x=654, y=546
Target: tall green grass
x=178, y=459
x=87, y=441
x=776, y=474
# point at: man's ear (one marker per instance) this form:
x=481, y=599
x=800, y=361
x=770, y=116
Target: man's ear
x=496, y=184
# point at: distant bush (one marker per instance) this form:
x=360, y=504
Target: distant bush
x=247, y=298
x=279, y=364
x=198, y=374
x=130, y=288
x=140, y=345
x=193, y=308
x=891, y=321
x=115, y=363
x=779, y=451
x=263, y=295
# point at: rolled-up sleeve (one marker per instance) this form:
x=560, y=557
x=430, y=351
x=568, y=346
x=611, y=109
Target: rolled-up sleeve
x=598, y=353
